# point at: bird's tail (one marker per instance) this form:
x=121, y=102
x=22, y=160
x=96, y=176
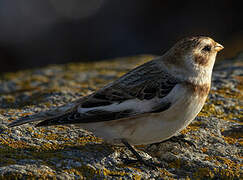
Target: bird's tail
x=43, y=116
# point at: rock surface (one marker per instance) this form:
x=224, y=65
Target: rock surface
x=68, y=152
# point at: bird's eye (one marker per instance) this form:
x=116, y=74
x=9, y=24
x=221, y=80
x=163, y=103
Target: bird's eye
x=207, y=48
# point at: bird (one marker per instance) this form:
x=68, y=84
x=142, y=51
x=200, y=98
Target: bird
x=150, y=103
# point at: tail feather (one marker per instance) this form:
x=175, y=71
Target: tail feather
x=23, y=120
x=28, y=119
x=43, y=116
x=61, y=119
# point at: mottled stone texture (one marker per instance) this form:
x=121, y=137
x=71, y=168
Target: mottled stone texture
x=67, y=152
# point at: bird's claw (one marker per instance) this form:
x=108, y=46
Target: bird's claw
x=139, y=159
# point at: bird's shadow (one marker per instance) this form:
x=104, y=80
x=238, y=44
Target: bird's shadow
x=234, y=132
x=84, y=154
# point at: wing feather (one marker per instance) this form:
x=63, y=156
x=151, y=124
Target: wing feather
x=145, y=86
x=144, y=82
x=142, y=90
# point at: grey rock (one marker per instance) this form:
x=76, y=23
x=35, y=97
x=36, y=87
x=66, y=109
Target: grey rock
x=68, y=152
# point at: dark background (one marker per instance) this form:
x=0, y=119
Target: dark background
x=41, y=32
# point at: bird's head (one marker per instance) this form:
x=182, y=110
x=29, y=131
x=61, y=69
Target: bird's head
x=194, y=56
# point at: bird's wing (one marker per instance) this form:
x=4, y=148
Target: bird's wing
x=141, y=90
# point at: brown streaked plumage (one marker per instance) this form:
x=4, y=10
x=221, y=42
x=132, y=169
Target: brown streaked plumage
x=187, y=44
x=201, y=60
x=201, y=90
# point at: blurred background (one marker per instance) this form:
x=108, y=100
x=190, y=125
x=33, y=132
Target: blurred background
x=38, y=33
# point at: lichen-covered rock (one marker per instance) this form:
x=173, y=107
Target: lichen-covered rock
x=68, y=152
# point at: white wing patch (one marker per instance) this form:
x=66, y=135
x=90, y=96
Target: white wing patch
x=136, y=105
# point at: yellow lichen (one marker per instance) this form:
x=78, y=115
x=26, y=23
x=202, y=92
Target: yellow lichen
x=232, y=170
x=175, y=164
x=209, y=110
x=233, y=137
x=204, y=149
x=202, y=173
x=226, y=174
x=108, y=172
x=194, y=126
x=83, y=171
x=13, y=150
x=230, y=140
x=228, y=93
x=9, y=99
x=13, y=143
x=137, y=177
x=164, y=173
x=240, y=85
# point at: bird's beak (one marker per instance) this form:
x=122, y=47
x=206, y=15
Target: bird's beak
x=218, y=47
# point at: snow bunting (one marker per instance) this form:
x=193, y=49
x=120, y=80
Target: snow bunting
x=149, y=104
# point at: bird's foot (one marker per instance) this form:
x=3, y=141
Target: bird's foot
x=181, y=139
x=139, y=158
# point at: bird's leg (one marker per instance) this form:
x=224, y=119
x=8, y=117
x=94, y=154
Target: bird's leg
x=139, y=158
x=180, y=139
